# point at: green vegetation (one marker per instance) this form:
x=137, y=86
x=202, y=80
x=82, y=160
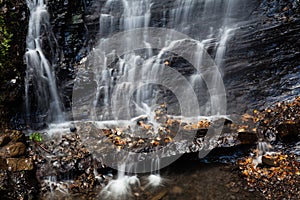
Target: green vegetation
x=13, y=29
x=36, y=137
x=5, y=38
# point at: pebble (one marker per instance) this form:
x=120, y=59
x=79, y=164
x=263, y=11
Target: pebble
x=177, y=190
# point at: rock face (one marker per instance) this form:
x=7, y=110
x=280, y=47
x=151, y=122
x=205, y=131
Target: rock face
x=256, y=58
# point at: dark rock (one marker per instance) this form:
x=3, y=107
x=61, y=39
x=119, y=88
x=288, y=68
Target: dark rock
x=270, y=161
x=247, y=137
x=18, y=185
x=3, y=164
x=289, y=132
x=73, y=129
x=16, y=136
x=4, y=140
x=201, y=132
x=177, y=190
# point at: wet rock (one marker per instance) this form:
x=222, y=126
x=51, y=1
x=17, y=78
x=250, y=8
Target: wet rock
x=160, y=195
x=141, y=119
x=69, y=160
x=73, y=129
x=247, y=137
x=18, y=185
x=270, y=160
x=16, y=136
x=289, y=131
x=279, y=178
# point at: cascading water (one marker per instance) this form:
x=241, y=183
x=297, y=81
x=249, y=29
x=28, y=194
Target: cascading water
x=218, y=24
x=115, y=83
x=40, y=73
x=115, y=79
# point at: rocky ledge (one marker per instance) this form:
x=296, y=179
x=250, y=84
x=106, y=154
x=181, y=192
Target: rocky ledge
x=60, y=164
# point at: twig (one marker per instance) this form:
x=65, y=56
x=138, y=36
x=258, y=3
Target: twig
x=42, y=147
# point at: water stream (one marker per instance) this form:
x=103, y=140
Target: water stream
x=124, y=90
x=117, y=94
x=40, y=73
x=116, y=83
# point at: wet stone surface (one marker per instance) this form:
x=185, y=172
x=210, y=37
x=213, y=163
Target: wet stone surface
x=278, y=177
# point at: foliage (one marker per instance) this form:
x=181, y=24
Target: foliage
x=5, y=38
x=13, y=29
x=36, y=137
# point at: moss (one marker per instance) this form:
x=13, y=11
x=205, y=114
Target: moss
x=5, y=39
x=13, y=29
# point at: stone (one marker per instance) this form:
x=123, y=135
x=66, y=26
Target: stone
x=177, y=190
x=73, y=129
x=3, y=164
x=270, y=161
x=12, y=150
x=288, y=131
x=15, y=136
x=19, y=164
x=160, y=195
x=247, y=137
x=4, y=140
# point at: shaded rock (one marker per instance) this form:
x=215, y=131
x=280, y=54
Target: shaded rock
x=177, y=190
x=247, y=137
x=270, y=161
x=160, y=195
x=289, y=131
x=4, y=140
x=3, y=164
x=15, y=136
x=18, y=185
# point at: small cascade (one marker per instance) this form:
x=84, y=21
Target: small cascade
x=121, y=188
x=263, y=148
x=136, y=14
x=221, y=49
x=154, y=179
x=182, y=14
x=40, y=73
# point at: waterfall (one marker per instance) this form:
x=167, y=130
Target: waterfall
x=218, y=21
x=40, y=73
x=124, y=88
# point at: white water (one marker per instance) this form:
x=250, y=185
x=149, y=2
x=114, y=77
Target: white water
x=115, y=85
x=39, y=70
x=262, y=149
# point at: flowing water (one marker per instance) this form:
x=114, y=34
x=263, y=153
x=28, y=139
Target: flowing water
x=114, y=84
x=129, y=78
x=124, y=90
x=117, y=94
x=40, y=73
